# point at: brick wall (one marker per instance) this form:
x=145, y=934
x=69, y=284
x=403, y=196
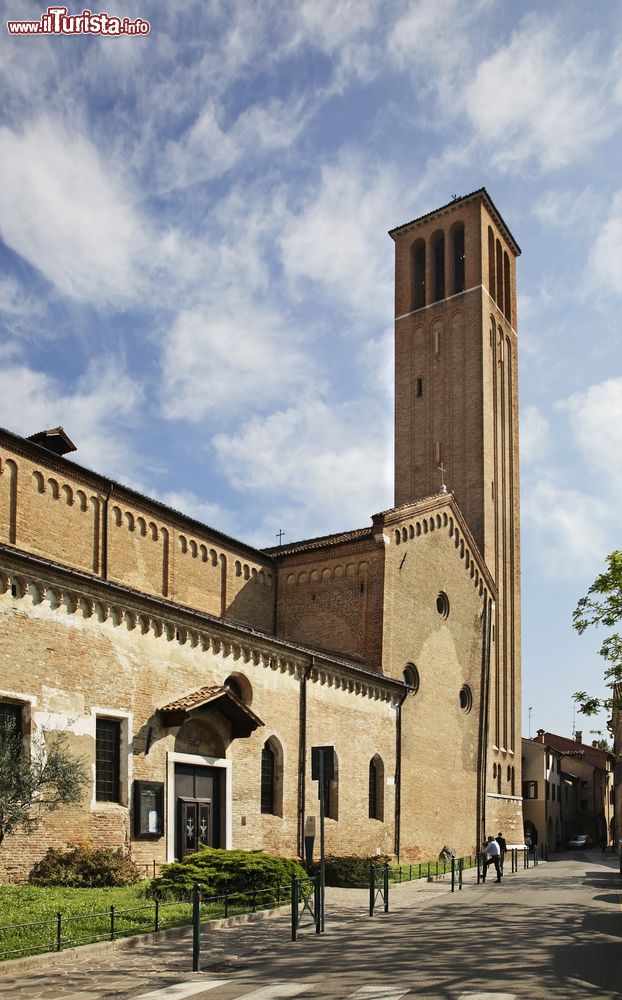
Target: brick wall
x=332, y=599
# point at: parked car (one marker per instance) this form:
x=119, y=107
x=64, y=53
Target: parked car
x=580, y=842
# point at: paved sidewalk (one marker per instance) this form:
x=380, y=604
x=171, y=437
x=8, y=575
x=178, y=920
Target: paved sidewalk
x=135, y=966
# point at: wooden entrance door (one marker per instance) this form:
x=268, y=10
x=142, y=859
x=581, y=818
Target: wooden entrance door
x=199, y=814
x=195, y=825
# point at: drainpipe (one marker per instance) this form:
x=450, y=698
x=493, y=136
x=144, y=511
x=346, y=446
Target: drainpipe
x=398, y=775
x=104, y=572
x=302, y=756
x=484, y=713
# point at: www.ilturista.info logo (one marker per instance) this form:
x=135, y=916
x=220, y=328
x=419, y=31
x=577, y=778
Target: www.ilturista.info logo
x=58, y=21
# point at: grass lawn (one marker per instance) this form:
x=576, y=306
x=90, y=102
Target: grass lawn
x=86, y=916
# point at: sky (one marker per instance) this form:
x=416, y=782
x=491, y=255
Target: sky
x=196, y=279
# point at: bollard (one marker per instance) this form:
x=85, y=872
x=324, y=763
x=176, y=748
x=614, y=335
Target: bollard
x=372, y=889
x=59, y=931
x=196, y=926
x=112, y=923
x=453, y=874
x=156, y=919
x=294, y=908
x=386, y=888
x=317, y=912
x=479, y=868
x=460, y=866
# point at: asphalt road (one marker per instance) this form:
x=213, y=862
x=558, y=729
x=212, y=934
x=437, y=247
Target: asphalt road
x=554, y=931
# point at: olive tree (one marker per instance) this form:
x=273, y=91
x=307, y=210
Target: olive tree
x=36, y=780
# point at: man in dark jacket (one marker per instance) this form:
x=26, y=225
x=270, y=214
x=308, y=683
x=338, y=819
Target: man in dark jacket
x=503, y=849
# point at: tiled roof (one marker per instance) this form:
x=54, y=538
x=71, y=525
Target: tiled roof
x=203, y=696
x=323, y=541
x=194, y=699
x=483, y=193
x=591, y=755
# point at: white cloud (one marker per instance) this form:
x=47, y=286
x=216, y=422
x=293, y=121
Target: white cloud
x=339, y=240
x=318, y=467
x=214, y=515
x=541, y=97
x=432, y=39
x=534, y=435
x=70, y=218
x=568, y=529
x=95, y=414
x=222, y=360
x=595, y=421
x=207, y=150
x=565, y=208
x=18, y=308
x=330, y=26
x=605, y=273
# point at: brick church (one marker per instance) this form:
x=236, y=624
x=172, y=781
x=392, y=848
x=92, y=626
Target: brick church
x=194, y=673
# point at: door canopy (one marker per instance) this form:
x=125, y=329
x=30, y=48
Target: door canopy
x=208, y=699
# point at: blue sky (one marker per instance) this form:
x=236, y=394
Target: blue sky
x=196, y=277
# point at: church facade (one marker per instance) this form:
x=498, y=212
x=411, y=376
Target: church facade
x=194, y=673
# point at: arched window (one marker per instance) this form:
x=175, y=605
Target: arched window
x=376, y=788
x=499, y=276
x=458, y=257
x=268, y=772
x=239, y=685
x=438, y=266
x=272, y=777
x=418, y=274
x=499, y=779
x=507, y=308
x=491, y=263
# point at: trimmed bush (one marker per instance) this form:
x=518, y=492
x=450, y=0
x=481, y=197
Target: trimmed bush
x=82, y=866
x=234, y=872
x=350, y=870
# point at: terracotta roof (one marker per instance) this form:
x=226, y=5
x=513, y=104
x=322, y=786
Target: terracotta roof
x=321, y=542
x=57, y=461
x=420, y=501
x=231, y=706
x=490, y=205
x=591, y=755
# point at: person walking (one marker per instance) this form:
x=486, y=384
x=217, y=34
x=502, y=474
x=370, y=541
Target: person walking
x=492, y=854
x=503, y=850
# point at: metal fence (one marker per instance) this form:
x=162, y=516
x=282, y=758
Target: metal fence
x=304, y=896
x=58, y=932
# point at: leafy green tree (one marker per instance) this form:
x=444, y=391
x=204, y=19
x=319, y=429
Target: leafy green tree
x=602, y=606
x=36, y=780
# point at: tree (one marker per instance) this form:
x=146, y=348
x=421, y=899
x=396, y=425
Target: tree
x=36, y=780
x=602, y=605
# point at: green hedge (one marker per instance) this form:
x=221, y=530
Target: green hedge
x=237, y=873
x=349, y=870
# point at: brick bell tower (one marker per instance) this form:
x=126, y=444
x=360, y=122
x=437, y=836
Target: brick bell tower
x=456, y=405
